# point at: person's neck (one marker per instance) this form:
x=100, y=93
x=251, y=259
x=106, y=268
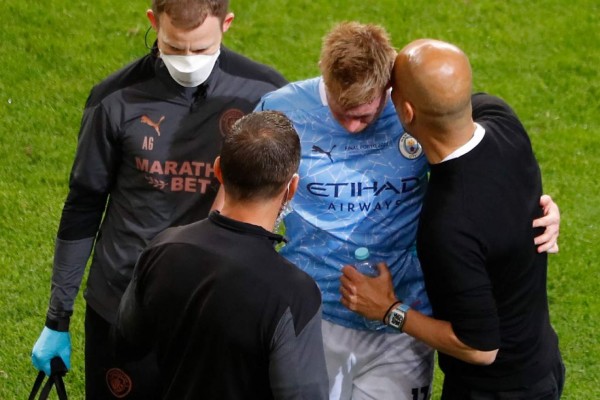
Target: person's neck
x=438, y=145
x=263, y=213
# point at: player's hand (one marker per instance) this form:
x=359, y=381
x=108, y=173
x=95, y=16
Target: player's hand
x=369, y=297
x=51, y=344
x=548, y=241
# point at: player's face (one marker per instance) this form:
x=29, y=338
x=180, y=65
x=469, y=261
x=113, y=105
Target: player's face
x=357, y=119
x=204, y=39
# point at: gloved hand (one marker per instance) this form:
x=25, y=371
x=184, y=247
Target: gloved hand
x=50, y=344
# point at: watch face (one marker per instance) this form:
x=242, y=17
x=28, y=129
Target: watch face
x=396, y=318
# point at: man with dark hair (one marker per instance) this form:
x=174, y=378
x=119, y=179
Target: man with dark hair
x=227, y=315
x=485, y=279
x=149, y=135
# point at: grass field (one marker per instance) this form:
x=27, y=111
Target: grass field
x=541, y=56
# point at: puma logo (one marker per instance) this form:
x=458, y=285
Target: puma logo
x=156, y=125
x=317, y=149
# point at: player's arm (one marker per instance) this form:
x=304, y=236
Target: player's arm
x=374, y=298
x=486, y=106
x=91, y=177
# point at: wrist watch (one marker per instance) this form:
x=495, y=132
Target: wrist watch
x=397, y=317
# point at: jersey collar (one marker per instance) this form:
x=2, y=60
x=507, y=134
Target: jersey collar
x=470, y=145
x=243, y=227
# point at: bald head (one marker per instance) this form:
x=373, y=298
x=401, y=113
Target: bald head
x=435, y=78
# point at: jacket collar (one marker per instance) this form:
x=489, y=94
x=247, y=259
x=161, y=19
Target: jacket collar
x=243, y=227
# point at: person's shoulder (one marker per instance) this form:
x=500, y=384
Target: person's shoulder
x=494, y=114
x=485, y=104
x=300, y=95
x=237, y=64
x=183, y=234
x=133, y=73
x=298, y=285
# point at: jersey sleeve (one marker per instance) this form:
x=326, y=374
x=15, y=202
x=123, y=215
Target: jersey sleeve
x=262, y=104
x=92, y=176
x=460, y=287
x=297, y=361
x=285, y=99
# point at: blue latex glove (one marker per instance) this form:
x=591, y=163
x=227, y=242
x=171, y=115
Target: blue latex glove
x=51, y=344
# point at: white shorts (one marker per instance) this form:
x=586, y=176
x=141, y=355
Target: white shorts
x=373, y=365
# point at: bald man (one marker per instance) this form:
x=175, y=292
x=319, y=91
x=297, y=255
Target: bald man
x=485, y=280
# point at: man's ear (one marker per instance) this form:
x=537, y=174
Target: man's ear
x=406, y=113
x=217, y=168
x=227, y=22
x=152, y=19
x=293, y=186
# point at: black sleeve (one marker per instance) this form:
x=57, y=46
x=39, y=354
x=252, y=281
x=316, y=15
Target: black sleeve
x=297, y=361
x=462, y=286
x=96, y=162
x=70, y=259
x=92, y=175
x=132, y=334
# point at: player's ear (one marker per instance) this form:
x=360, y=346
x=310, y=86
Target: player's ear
x=409, y=111
x=293, y=186
x=227, y=22
x=406, y=112
x=217, y=168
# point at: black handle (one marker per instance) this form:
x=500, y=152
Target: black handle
x=58, y=369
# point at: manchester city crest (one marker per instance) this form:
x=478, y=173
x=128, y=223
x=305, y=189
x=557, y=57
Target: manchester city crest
x=409, y=147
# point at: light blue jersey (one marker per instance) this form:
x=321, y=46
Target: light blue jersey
x=356, y=190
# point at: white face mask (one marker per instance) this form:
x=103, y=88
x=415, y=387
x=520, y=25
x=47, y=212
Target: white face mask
x=285, y=208
x=190, y=71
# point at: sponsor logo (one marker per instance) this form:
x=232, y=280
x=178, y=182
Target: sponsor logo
x=317, y=149
x=187, y=176
x=355, y=192
x=119, y=383
x=156, y=125
x=228, y=118
x=359, y=189
x=409, y=147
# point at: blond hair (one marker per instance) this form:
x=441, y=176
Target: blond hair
x=356, y=62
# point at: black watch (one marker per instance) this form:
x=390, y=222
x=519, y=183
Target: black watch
x=397, y=317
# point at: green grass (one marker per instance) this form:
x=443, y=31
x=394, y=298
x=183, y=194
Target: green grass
x=541, y=56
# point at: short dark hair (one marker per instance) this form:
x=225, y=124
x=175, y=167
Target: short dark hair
x=190, y=14
x=259, y=156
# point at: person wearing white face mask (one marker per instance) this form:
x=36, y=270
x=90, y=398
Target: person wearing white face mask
x=190, y=71
x=145, y=161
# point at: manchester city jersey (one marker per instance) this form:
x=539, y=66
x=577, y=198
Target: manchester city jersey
x=356, y=190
